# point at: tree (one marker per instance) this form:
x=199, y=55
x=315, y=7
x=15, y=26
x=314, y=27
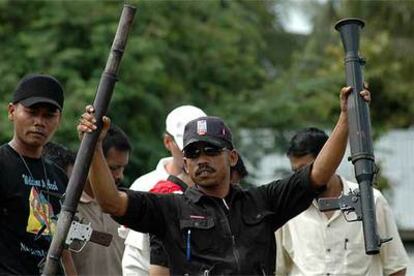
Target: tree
x=318, y=71
x=218, y=55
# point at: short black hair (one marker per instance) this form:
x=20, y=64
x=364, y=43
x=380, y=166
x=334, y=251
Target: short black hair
x=307, y=141
x=240, y=168
x=116, y=138
x=59, y=154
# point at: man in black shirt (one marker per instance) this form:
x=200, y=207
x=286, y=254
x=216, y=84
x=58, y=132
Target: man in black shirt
x=215, y=227
x=30, y=186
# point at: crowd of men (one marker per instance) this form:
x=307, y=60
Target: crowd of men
x=189, y=216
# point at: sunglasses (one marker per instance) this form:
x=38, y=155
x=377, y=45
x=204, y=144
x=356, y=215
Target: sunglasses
x=195, y=152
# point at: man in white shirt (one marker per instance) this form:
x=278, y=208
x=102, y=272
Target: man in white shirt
x=136, y=257
x=316, y=243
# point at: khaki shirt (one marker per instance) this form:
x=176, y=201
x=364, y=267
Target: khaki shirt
x=95, y=259
x=312, y=244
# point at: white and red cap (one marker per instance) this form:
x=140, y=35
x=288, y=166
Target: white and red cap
x=178, y=118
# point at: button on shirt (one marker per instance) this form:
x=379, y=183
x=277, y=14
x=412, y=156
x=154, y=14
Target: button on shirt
x=313, y=244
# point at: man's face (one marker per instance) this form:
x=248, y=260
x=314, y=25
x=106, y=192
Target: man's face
x=117, y=161
x=298, y=162
x=208, y=165
x=34, y=125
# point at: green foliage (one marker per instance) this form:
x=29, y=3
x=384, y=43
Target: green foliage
x=218, y=55
x=318, y=71
x=231, y=58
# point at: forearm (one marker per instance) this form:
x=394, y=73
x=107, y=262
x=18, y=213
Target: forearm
x=157, y=270
x=331, y=154
x=106, y=193
x=68, y=264
x=402, y=272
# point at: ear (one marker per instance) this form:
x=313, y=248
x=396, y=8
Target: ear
x=59, y=120
x=233, y=157
x=11, y=108
x=185, y=168
x=167, y=140
x=60, y=117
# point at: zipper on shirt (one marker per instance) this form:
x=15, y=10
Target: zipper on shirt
x=225, y=204
x=236, y=254
x=263, y=271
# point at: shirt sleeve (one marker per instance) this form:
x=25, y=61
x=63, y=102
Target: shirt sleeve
x=290, y=196
x=144, y=213
x=393, y=254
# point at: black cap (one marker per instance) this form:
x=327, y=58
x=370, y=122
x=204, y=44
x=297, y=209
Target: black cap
x=36, y=88
x=208, y=129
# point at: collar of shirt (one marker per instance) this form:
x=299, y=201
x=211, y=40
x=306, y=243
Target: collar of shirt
x=85, y=198
x=337, y=213
x=162, y=163
x=345, y=190
x=176, y=180
x=195, y=195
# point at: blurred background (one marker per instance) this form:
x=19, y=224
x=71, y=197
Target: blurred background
x=267, y=67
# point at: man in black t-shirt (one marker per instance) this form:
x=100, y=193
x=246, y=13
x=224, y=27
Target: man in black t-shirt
x=30, y=186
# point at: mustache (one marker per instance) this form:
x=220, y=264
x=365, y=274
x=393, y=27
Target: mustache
x=38, y=131
x=204, y=168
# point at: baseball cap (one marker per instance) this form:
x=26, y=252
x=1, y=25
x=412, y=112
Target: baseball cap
x=36, y=88
x=178, y=118
x=208, y=129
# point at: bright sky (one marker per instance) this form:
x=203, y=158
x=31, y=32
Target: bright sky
x=296, y=18
x=297, y=22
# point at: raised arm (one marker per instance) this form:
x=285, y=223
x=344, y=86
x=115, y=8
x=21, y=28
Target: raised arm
x=333, y=151
x=106, y=193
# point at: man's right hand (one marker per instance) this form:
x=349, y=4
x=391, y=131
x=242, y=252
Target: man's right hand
x=106, y=193
x=346, y=91
x=87, y=123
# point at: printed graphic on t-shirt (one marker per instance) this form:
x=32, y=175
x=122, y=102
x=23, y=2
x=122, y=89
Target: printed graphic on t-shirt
x=30, y=181
x=41, y=214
